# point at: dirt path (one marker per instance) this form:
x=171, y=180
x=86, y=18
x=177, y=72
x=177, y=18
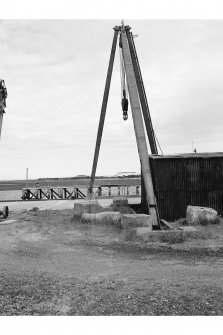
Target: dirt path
x=50, y=265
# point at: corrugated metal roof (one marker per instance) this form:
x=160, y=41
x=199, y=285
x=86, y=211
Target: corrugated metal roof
x=189, y=155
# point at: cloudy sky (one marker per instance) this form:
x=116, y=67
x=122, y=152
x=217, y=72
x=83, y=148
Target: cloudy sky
x=55, y=74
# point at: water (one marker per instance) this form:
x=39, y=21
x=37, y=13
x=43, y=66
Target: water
x=10, y=195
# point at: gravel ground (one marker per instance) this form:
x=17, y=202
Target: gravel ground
x=51, y=265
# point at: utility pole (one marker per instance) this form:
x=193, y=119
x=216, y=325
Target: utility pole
x=27, y=171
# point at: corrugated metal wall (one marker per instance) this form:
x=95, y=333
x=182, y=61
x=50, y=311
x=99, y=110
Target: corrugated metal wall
x=187, y=179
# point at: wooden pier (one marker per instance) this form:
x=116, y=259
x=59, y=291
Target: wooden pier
x=118, y=190
x=69, y=193
x=52, y=193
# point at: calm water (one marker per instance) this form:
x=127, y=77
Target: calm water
x=10, y=195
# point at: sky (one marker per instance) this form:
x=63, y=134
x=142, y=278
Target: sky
x=55, y=74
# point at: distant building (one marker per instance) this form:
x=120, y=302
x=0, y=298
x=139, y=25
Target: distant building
x=126, y=174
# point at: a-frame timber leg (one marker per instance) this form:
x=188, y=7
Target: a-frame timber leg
x=103, y=111
x=139, y=131
x=142, y=93
x=142, y=97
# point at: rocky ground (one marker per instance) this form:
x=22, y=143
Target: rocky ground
x=52, y=265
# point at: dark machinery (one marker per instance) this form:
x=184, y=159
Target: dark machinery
x=3, y=96
x=5, y=212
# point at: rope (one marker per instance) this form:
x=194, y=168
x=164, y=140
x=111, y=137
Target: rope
x=124, y=87
x=158, y=142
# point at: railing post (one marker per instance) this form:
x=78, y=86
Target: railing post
x=99, y=191
x=109, y=190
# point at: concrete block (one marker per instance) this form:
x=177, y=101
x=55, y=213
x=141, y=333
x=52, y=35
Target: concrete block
x=135, y=220
x=78, y=209
x=138, y=234
x=88, y=218
x=89, y=206
x=92, y=206
x=109, y=218
x=141, y=233
x=120, y=201
x=200, y=215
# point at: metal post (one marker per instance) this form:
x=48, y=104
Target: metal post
x=139, y=131
x=103, y=110
x=27, y=171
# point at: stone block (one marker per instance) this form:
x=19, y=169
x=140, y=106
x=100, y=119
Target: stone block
x=120, y=201
x=200, y=215
x=141, y=233
x=88, y=218
x=89, y=206
x=135, y=220
x=109, y=218
x=138, y=234
x=78, y=209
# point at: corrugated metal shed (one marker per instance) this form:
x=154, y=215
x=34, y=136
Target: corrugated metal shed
x=186, y=179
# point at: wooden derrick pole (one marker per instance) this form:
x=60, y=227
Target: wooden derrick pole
x=103, y=110
x=139, y=131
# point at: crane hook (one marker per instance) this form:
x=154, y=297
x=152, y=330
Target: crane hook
x=125, y=103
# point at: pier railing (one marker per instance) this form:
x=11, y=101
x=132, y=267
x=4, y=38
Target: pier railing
x=43, y=193
x=52, y=193
x=118, y=190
